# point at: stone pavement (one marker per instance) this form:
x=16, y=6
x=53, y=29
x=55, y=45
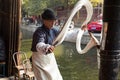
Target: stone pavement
x=70, y=36
x=30, y=27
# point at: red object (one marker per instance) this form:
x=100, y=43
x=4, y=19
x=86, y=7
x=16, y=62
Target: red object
x=95, y=26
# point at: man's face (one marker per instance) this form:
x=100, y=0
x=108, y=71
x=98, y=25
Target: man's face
x=49, y=23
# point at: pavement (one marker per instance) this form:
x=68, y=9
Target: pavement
x=71, y=35
x=31, y=27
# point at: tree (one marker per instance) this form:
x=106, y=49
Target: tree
x=96, y=2
x=34, y=7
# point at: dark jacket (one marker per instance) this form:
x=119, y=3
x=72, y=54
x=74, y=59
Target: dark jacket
x=42, y=34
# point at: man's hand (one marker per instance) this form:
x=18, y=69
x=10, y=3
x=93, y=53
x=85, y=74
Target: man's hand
x=84, y=27
x=51, y=48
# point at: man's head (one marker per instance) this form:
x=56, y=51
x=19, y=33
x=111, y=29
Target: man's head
x=49, y=18
x=48, y=14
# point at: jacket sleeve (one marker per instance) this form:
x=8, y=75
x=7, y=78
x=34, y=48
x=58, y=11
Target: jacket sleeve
x=42, y=47
x=40, y=38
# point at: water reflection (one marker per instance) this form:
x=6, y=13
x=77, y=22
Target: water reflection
x=74, y=66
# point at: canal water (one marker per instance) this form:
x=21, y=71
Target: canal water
x=75, y=66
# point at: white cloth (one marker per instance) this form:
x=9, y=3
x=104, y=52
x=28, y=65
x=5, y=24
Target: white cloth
x=45, y=66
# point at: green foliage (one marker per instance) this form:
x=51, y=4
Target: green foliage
x=35, y=7
x=96, y=2
x=72, y=2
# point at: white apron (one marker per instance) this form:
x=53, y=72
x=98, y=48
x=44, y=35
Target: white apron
x=45, y=66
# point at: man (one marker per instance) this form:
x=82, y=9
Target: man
x=43, y=59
